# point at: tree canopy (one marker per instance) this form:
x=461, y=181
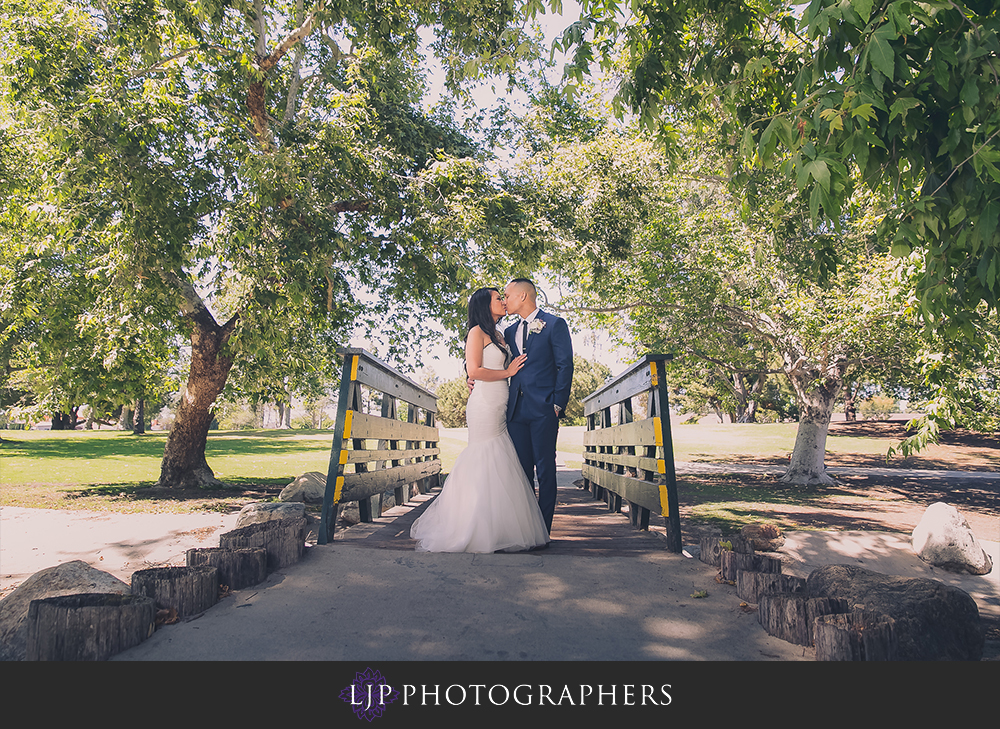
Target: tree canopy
x=667, y=258
x=897, y=96
x=254, y=174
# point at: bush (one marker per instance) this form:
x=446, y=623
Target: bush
x=452, y=398
x=238, y=420
x=879, y=407
x=303, y=422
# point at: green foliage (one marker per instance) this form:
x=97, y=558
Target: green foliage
x=878, y=407
x=901, y=96
x=728, y=293
x=452, y=398
x=271, y=184
x=587, y=377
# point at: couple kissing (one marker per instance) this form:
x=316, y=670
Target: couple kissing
x=519, y=382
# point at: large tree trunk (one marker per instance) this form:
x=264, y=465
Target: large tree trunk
x=817, y=393
x=284, y=416
x=139, y=421
x=184, y=464
x=125, y=419
x=850, y=404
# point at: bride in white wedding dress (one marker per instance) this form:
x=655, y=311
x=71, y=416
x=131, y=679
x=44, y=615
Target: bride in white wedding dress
x=486, y=504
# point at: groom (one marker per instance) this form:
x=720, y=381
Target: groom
x=540, y=390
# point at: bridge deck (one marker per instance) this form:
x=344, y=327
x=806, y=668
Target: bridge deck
x=582, y=525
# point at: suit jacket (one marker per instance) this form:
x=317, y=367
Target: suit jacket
x=547, y=374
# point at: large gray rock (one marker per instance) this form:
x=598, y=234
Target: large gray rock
x=934, y=621
x=257, y=513
x=309, y=488
x=944, y=539
x=69, y=578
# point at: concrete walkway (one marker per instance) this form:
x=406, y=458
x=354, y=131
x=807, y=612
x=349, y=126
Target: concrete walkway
x=602, y=591
x=594, y=595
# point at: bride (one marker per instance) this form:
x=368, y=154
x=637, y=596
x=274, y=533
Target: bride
x=486, y=504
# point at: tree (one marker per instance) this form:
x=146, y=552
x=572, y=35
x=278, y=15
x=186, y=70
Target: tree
x=668, y=261
x=452, y=398
x=899, y=97
x=53, y=354
x=251, y=166
x=587, y=377
x=835, y=88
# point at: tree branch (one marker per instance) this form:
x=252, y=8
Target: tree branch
x=190, y=303
x=963, y=162
x=266, y=64
x=294, y=85
x=160, y=64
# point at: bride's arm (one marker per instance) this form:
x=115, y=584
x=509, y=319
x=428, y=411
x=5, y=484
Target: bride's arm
x=475, y=343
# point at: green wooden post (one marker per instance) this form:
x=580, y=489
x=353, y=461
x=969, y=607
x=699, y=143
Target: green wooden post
x=667, y=480
x=338, y=455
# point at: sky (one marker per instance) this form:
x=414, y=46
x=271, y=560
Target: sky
x=591, y=345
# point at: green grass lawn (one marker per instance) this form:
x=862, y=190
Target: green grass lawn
x=115, y=470
x=104, y=457
x=112, y=457
x=729, y=442
x=109, y=469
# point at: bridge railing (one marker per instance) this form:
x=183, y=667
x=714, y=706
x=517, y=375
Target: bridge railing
x=373, y=455
x=631, y=459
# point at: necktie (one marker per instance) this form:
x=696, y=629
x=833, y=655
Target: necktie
x=524, y=337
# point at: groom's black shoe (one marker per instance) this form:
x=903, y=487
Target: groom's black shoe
x=539, y=547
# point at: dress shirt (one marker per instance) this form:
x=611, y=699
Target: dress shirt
x=521, y=333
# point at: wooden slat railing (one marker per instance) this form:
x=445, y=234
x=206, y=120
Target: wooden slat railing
x=406, y=455
x=633, y=459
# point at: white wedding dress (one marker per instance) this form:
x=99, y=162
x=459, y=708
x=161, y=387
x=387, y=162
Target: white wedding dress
x=486, y=503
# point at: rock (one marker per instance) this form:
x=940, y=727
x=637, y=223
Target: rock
x=943, y=538
x=764, y=537
x=309, y=487
x=934, y=621
x=349, y=514
x=69, y=578
x=259, y=513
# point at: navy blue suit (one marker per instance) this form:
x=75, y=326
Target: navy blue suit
x=544, y=381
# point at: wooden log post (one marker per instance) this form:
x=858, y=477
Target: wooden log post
x=860, y=635
x=238, y=568
x=87, y=627
x=710, y=548
x=188, y=590
x=281, y=539
x=791, y=616
x=731, y=563
x=751, y=586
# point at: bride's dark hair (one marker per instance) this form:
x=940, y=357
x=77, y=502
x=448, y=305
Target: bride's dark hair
x=481, y=315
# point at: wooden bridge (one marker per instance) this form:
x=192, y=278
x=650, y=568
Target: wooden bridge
x=391, y=466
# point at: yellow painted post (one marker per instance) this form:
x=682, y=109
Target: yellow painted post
x=338, y=453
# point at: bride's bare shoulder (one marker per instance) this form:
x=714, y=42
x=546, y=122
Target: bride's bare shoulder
x=482, y=335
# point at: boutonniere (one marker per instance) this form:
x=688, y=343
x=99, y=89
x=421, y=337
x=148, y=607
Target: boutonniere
x=536, y=326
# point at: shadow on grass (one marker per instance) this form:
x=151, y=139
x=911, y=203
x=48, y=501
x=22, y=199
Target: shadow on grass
x=220, y=443
x=236, y=489
x=730, y=501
